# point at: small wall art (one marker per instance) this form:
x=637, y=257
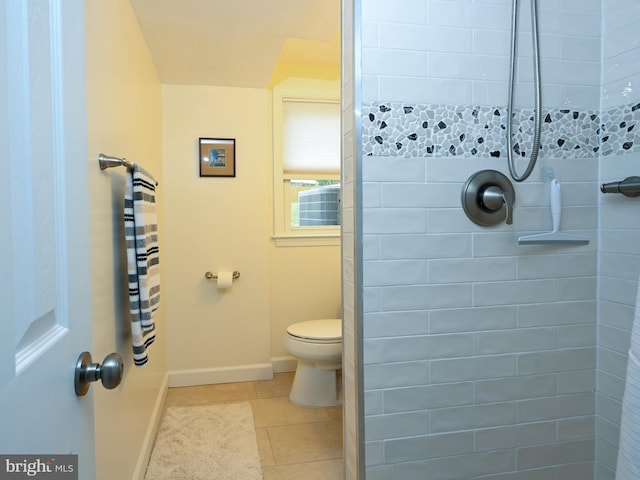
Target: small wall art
x=217, y=157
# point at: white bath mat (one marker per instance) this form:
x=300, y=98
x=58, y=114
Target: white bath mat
x=202, y=443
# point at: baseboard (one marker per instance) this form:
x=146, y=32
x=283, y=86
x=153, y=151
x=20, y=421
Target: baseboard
x=207, y=376
x=152, y=431
x=284, y=364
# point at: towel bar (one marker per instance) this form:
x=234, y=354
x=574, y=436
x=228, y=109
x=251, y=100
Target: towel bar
x=213, y=276
x=107, y=161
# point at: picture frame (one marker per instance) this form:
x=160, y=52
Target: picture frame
x=217, y=157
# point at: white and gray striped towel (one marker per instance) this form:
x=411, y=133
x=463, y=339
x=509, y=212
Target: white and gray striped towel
x=141, y=234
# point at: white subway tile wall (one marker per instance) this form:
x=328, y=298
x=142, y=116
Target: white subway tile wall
x=471, y=338
x=480, y=355
x=619, y=230
x=459, y=52
x=620, y=45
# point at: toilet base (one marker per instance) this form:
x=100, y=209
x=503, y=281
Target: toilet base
x=315, y=387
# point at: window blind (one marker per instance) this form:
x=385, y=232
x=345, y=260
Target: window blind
x=311, y=143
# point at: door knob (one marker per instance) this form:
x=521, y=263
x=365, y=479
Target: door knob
x=109, y=373
x=488, y=197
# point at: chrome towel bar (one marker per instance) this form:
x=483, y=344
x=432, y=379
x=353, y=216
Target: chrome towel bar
x=107, y=161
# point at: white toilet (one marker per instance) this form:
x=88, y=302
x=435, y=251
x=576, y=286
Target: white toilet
x=317, y=345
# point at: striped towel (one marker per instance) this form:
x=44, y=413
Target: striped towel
x=141, y=234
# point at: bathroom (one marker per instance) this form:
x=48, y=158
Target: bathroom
x=208, y=224
x=432, y=302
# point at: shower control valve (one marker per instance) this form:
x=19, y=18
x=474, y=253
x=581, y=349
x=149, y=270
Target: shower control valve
x=488, y=197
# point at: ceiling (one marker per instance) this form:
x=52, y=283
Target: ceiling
x=237, y=42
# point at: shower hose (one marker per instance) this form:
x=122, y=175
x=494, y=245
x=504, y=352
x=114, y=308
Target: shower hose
x=535, y=148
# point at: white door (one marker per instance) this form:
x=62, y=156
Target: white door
x=45, y=314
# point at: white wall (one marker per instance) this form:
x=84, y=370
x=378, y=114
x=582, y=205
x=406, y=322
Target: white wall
x=124, y=119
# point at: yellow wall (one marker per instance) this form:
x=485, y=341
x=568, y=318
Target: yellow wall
x=217, y=224
x=225, y=223
x=305, y=285
x=124, y=119
x=305, y=280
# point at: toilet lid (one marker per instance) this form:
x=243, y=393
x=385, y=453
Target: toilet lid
x=326, y=330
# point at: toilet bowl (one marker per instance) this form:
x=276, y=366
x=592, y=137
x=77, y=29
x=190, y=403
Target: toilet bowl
x=317, y=345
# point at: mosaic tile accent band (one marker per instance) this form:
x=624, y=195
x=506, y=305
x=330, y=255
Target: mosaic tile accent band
x=420, y=130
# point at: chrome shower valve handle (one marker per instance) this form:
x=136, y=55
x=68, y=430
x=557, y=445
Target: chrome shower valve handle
x=488, y=197
x=508, y=205
x=494, y=198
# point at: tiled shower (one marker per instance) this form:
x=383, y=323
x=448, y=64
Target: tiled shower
x=482, y=358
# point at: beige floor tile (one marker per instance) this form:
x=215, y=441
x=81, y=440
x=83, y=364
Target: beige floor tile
x=264, y=447
x=294, y=443
x=280, y=386
x=210, y=394
x=269, y=412
x=306, y=442
x=323, y=470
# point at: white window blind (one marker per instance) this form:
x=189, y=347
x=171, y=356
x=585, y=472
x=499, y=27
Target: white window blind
x=311, y=137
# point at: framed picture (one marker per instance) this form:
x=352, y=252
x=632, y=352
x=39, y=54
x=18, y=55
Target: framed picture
x=217, y=157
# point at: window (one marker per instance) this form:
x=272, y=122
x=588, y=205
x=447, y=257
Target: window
x=306, y=128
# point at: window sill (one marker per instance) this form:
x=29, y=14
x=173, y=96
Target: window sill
x=307, y=240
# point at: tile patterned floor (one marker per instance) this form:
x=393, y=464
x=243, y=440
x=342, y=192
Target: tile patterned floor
x=294, y=442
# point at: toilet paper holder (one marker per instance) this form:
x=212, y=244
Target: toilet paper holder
x=213, y=276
